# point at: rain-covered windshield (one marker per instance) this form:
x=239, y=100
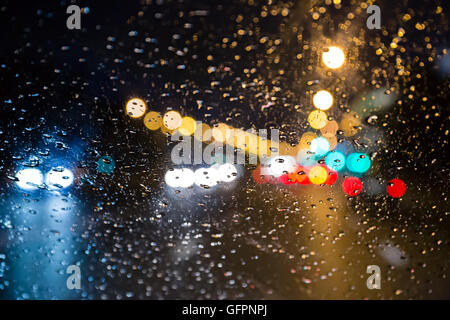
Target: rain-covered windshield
x=244, y=149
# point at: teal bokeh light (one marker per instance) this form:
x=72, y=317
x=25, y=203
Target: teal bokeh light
x=358, y=162
x=335, y=160
x=106, y=164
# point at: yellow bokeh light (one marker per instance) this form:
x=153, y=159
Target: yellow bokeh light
x=166, y=131
x=333, y=58
x=153, y=120
x=317, y=175
x=317, y=119
x=305, y=140
x=246, y=141
x=203, y=133
x=323, y=100
x=221, y=133
x=172, y=120
x=350, y=123
x=136, y=108
x=187, y=127
x=332, y=139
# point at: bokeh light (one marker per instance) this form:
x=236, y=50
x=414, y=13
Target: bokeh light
x=320, y=146
x=153, y=120
x=352, y=186
x=187, y=127
x=227, y=172
x=317, y=119
x=332, y=140
x=171, y=178
x=317, y=175
x=358, y=162
x=180, y=178
x=221, y=132
x=59, y=177
x=331, y=128
x=203, y=132
x=306, y=139
x=323, y=100
x=300, y=176
x=29, y=179
x=206, y=177
x=172, y=120
x=136, y=108
x=286, y=179
x=345, y=147
x=278, y=166
x=258, y=176
x=334, y=58
x=396, y=188
x=335, y=160
x=332, y=176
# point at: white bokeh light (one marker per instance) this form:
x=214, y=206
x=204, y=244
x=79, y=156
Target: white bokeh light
x=323, y=100
x=136, y=108
x=320, y=146
x=171, y=178
x=227, y=172
x=59, y=177
x=186, y=178
x=277, y=166
x=334, y=58
x=209, y=177
x=29, y=179
x=206, y=177
x=180, y=178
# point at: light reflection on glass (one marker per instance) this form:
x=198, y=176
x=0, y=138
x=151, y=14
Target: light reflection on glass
x=334, y=58
x=29, y=179
x=278, y=166
x=323, y=100
x=59, y=177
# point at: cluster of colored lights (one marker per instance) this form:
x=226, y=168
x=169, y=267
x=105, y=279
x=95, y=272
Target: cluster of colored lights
x=317, y=162
x=287, y=172
x=186, y=126
x=168, y=123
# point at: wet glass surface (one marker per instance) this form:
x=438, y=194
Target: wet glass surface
x=86, y=181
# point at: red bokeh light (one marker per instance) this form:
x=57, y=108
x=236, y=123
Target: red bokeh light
x=352, y=186
x=301, y=175
x=332, y=177
x=286, y=180
x=396, y=188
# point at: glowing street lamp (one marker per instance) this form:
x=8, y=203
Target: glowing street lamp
x=334, y=58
